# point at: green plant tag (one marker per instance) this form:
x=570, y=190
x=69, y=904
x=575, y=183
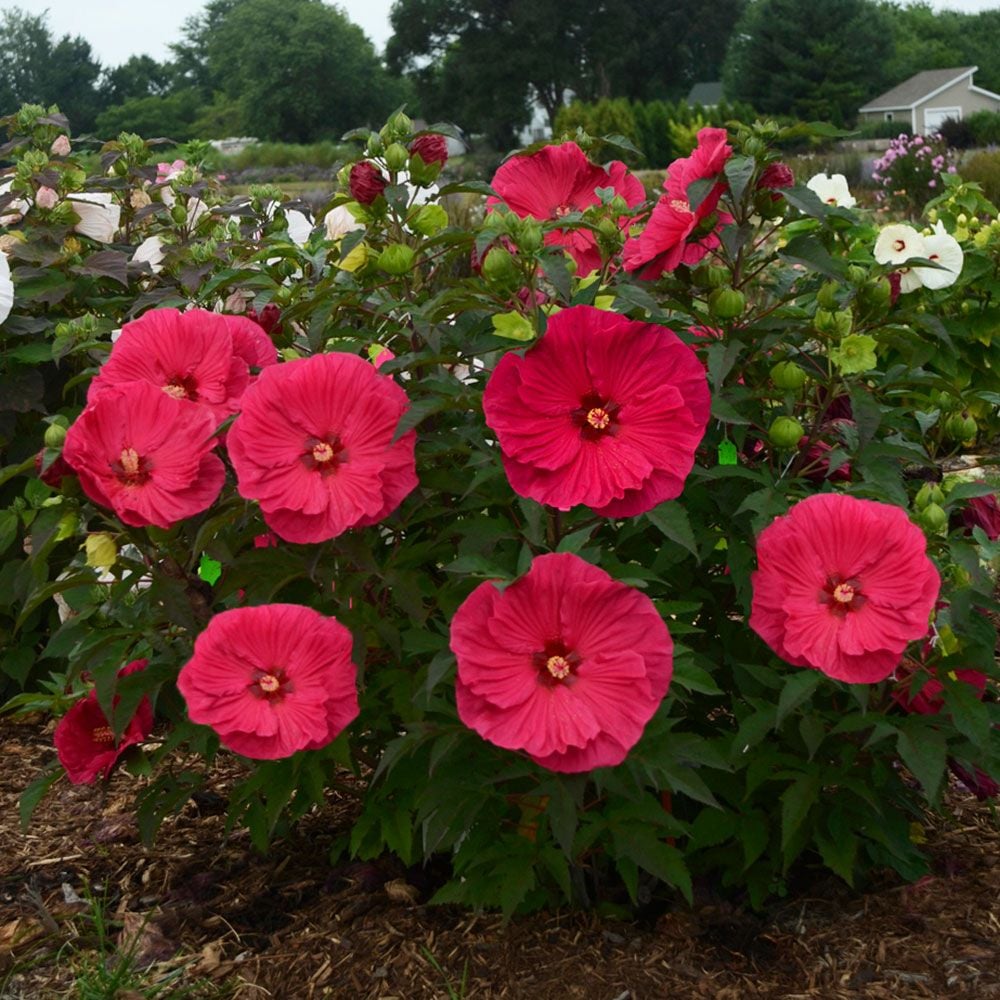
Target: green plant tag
x=727, y=453
x=209, y=570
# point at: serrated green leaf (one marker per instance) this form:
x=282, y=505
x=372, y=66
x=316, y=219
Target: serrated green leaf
x=924, y=751
x=672, y=520
x=796, y=801
x=797, y=689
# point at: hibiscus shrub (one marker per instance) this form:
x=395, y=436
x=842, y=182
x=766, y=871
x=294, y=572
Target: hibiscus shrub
x=600, y=547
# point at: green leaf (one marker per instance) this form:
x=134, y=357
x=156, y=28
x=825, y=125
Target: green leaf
x=34, y=794
x=672, y=520
x=797, y=689
x=796, y=801
x=562, y=813
x=513, y=326
x=739, y=170
x=839, y=848
x=924, y=751
x=651, y=854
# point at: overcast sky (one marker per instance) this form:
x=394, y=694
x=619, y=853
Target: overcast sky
x=117, y=29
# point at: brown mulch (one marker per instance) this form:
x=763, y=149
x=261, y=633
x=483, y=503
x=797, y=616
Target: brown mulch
x=202, y=911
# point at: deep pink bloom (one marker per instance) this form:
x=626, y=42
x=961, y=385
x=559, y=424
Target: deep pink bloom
x=53, y=475
x=775, y=177
x=558, y=180
x=313, y=444
x=200, y=356
x=976, y=781
x=366, y=182
x=269, y=318
x=929, y=700
x=817, y=464
x=431, y=147
x=983, y=512
x=602, y=411
x=843, y=585
x=146, y=455
x=565, y=664
x=676, y=233
x=85, y=741
x=272, y=680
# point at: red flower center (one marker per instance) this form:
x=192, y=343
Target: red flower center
x=556, y=663
x=182, y=387
x=272, y=685
x=842, y=595
x=831, y=201
x=324, y=454
x=102, y=734
x=595, y=416
x=899, y=245
x=131, y=468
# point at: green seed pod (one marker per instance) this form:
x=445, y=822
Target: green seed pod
x=529, y=235
x=785, y=432
x=396, y=259
x=397, y=157
x=933, y=518
x=55, y=434
x=788, y=376
x=499, y=267
x=927, y=494
x=710, y=276
x=726, y=303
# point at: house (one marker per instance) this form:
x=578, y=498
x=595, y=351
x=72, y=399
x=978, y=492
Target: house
x=923, y=102
x=708, y=95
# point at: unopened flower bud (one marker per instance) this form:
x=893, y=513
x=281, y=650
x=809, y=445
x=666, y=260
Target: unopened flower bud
x=789, y=376
x=46, y=197
x=927, y=494
x=375, y=145
x=726, y=303
x=933, y=518
x=785, y=432
x=499, y=267
x=396, y=157
x=366, y=182
x=396, y=259
x=431, y=147
x=55, y=434
x=60, y=146
x=776, y=176
x=529, y=235
x=826, y=297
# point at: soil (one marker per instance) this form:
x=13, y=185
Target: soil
x=202, y=915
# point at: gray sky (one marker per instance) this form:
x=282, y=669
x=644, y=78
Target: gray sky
x=117, y=29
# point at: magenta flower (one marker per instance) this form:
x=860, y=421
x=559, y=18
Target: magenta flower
x=565, y=664
x=843, y=586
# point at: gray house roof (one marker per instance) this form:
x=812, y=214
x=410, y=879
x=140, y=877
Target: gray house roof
x=708, y=95
x=919, y=88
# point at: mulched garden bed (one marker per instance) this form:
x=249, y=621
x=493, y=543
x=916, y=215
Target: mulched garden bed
x=203, y=915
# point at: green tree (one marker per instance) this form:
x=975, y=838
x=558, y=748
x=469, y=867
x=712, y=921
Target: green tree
x=170, y=115
x=482, y=62
x=813, y=60
x=35, y=68
x=299, y=69
x=140, y=76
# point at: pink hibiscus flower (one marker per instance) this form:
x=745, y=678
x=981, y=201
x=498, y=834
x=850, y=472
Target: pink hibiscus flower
x=676, y=233
x=929, y=700
x=602, y=411
x=983, y=512
x=85, y=742
x=313, y=445
x=558, y=180
x=843, y=585
x=272, y=680
x=200, y=356
x=145, y=455
x=565, y=664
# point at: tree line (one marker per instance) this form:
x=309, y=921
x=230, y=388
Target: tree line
x=301, y=71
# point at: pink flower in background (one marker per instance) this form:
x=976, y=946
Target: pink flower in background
x=167, y=171
x=145, y=455
x=776, y=176
x=313, y=445
x=557, y=180
x=46, y=197
x=60, y=146
x=272, y=680
x=983, y=512
x=843, y=585
x=200, y=356
x=85, y=742
x=676, y=233
x=929, y=700
x=602, y=411
x=565, y=664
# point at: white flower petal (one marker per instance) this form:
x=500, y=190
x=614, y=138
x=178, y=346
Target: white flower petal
x=299, y=226
x=339, y=222
x=6, y=288
x=150, y=251
x=896, y=244
x=944, y=250
x=99, y=216
x=832, y=190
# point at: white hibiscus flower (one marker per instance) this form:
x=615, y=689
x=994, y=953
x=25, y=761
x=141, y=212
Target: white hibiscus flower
x=943, y=249
x=832, y=190
x=99, y=215
x=6, y=288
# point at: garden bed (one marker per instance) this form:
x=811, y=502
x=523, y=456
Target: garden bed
x=209, y=915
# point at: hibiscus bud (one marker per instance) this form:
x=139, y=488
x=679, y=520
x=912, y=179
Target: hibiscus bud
x=775, y=176
x=710, y=276
x=396, y=157
x=726, y=303
x=826, y=297
x=983, y=512
x=179, y=214
x=46, y=198
x=785, y=432
x=60, y=146
x=789, y=376
x=529, y=235
x=431, y=147
x=927, y=494
x=933, y=518
x=396, y=259
x=55, y=434
x=374, y=146
x=856, y=274
x=428, y=220
x=366, y=182
x=961, y=427
x=499, y=267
